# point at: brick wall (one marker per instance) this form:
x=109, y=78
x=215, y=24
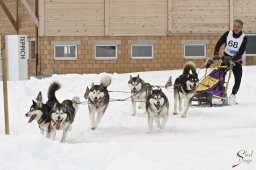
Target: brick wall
x=168, y=55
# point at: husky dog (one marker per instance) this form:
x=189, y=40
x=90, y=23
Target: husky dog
x=63, y=115
x=184, y=88
x=98, y=100
x=42, y=112
x=157, y=107
x=139, y=92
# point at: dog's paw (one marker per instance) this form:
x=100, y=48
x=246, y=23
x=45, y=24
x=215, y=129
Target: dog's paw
x=174, y=113
x=183, y=116
x=141, y=106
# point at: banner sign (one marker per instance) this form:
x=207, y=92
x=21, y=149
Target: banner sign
x=23, y=47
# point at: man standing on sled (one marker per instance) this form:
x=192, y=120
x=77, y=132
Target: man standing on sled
x=235, y=45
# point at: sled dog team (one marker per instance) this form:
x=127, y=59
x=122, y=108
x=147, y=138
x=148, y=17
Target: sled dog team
x=55, y=115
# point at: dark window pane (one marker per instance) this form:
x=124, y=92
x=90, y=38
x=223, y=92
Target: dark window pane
x=32, y=50
x=194, y=50
x=251, y=45
x=105, y=51
x=142, y=51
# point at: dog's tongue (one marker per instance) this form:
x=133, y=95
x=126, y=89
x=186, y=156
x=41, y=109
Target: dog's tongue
x=58, y=124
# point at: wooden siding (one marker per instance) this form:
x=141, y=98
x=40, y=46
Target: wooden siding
x=142, y=17
x=5, y=25
x=199, y=16
x=137, y=17
x=73, y=18
x=246, y=11
x=26, y=25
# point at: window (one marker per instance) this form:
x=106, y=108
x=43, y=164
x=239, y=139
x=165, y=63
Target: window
x=194, y=49
x=65, y=50
x=105, y=49
x=142, y=51
x=33, y=49
x=251, y=45
x=105, y=52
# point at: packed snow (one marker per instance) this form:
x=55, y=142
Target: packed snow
x=210, y=138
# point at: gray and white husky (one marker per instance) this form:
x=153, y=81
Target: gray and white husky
x=42, y=112
x=157, y=107
x=184, y=88
x=139, y=92
x=62, y=117
x=98, y=100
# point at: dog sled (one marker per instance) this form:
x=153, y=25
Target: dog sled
x=213, y=87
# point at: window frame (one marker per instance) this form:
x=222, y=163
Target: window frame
x=144, y=57
x=204, y=43
x=246, y=54
x=65, y=58
x=105, y=58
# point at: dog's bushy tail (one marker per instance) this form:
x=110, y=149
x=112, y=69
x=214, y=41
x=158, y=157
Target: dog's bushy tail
x=189, y=66
x=52, y=89
x=76, y=102
x=105, y=80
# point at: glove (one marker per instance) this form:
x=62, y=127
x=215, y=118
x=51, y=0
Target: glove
x=226, y=60
x=216, y=57
x=208, y=63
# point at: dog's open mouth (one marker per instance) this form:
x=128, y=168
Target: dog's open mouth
x=193, y=88
x=157, y=106
x=31, y=118
x=58, y=123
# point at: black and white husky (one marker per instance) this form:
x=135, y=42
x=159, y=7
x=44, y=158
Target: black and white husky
x=184, y=88
x=98, y=100
x=139, y=92
x=42, y=112
x=157, y=107
x=62, y=117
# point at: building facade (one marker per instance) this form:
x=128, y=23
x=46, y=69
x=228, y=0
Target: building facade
x=93, y=36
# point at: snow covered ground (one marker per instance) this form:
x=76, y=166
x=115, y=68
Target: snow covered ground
x=208, y=139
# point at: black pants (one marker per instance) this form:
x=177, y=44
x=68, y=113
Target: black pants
x=237, y=72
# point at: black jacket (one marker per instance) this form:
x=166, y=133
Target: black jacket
x=223, y=40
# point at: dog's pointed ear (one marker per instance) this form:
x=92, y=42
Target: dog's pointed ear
x=101, y=87
x=86, y=94
x=92, y=85
x=39, y=97
x=160, y=89
x=138, y=76
x=130, y=77
x=55, y=105
x=33, y=102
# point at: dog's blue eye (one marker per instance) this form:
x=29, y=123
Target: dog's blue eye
x=31, y=109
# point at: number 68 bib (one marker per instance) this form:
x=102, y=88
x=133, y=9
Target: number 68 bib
x=233, y=44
